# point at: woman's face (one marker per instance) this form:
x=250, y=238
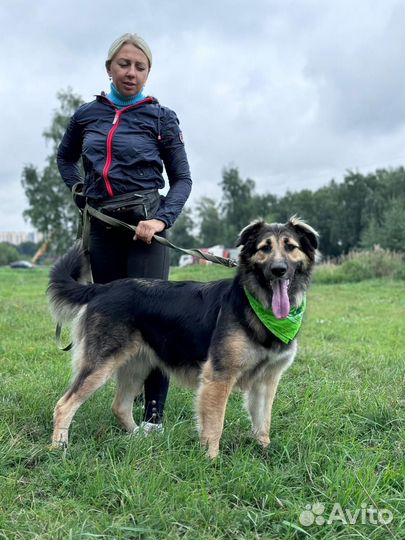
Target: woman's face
x=129, y=70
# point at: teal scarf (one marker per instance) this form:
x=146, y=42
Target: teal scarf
x=285, y=329
x=121, y=101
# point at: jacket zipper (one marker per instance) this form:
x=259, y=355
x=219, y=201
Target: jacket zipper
x=115, y=124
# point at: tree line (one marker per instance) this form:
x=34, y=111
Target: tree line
x=10, y=253
x=360, y=212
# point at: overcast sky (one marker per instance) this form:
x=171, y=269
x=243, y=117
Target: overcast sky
x=293, y=93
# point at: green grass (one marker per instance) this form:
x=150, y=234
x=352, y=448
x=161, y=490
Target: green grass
x=336, y=434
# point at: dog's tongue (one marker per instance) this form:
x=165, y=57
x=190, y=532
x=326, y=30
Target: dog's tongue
x=280, y=303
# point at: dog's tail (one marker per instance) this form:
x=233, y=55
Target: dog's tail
x=65, y=293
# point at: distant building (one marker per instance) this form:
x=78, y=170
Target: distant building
x=18, y=237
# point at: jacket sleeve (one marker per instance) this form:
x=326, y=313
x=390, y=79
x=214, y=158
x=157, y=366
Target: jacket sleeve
x=177, y=168
x=70, y=151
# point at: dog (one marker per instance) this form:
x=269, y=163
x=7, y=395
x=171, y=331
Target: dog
x=208, y=335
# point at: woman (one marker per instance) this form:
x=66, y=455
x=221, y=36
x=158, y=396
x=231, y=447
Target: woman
x=124, y=138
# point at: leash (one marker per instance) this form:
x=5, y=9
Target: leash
x=58, y=339
x=114, y=222
x=84, y=233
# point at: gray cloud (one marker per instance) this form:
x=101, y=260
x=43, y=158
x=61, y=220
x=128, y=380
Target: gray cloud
x=358, y=71
x=293, y=93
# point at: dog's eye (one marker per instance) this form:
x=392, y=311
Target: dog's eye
x=266, y=249
x=290, y=247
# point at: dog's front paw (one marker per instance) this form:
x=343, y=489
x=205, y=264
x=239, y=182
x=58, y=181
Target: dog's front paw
x=59, y=440
x=213, y=451
x=58, y=446
x=211, y=446
x=263, y=440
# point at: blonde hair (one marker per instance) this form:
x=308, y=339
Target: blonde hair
x=136, y=40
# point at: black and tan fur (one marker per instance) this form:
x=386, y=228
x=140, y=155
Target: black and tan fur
x=205, y=334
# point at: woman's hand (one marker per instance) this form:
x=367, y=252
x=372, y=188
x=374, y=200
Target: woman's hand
x=146, y=229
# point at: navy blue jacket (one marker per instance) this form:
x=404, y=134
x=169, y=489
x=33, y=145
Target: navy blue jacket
x=123, y=150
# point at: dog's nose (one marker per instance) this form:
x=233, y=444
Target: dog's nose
x=278, y=269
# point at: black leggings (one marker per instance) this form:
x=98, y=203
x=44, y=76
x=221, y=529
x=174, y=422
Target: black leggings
x=115, y=255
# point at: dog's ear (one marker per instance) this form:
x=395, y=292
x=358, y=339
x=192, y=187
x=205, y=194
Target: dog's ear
x=250, y=230
x=304, y=231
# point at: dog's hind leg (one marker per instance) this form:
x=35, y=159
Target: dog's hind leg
x=130, y=379
x=259, y=403
x=212, y=399
x=87, y=381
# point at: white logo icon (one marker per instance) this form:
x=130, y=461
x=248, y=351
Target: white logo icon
x=313, y=515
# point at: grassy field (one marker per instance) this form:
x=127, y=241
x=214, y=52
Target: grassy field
x=336, y=452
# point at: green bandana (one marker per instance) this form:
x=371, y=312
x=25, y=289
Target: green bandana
x=285, y=329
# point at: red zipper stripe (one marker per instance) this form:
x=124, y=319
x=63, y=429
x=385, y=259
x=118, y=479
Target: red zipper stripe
x=109, y=154
x=110, y=136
